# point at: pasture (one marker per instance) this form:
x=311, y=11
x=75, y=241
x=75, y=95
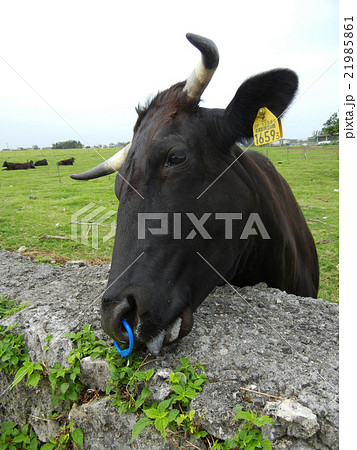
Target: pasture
x=44, y=215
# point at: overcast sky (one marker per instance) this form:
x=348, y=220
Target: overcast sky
x=77, y=69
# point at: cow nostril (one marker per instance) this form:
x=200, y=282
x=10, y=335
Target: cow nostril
x=124, y=310
x=130, y=312
x=131, y=301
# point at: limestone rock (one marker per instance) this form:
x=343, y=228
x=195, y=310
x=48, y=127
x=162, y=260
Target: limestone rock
x=94, y=373
x=159, y=386
x=103, y=428
x=291, y=419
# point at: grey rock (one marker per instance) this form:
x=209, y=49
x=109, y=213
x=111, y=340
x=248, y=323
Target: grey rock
x=94, y=373
x=300, y=445
x=78, y=263
x=159, y=385
x=103, y=428
x=215, y=407
x=43, y=426
x=24, y=404
x=291, y=419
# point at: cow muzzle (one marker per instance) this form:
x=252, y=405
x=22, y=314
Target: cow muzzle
x=154, y=329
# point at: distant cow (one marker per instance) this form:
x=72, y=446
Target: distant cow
x=19, y=166
x=41, y=162
x=66, y=162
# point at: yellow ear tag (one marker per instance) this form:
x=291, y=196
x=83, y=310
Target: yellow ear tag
x=266, y=127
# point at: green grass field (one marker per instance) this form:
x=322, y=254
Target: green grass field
x=34, y=203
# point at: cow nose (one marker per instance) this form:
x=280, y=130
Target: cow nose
x=112, y=314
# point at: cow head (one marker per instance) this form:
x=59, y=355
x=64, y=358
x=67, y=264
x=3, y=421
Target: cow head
x=171, y=246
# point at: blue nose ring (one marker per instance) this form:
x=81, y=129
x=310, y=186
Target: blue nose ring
x=127, y=351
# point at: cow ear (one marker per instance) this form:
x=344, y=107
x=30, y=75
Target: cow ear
x=274, y=89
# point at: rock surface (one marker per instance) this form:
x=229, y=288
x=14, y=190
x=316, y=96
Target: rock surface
x=252, y=341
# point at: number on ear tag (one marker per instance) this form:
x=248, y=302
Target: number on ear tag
x=266, y=128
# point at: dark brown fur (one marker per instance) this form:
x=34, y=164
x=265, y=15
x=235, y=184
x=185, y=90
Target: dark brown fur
x=66, y=162
x=18, y=166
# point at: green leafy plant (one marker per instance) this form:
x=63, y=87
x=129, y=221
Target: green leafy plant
x=128, y=384
x=9, y=307
x=12, y=437
x=65, y=384
x=186, y=382
x=42, y=260
x=186, y=423
x=158, y=415
x=86, y=344
x=48, y=339
x=172, y=414
x=13, y=351
x=68, y=438
x=33, y=370
x=248, y=437
x=65, y=380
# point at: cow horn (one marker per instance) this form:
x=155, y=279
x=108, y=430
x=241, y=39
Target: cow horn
x=111, y=165
x=198, y=80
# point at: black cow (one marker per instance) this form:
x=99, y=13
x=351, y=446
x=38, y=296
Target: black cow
x=66, y=162
x=41, y=162
x=196, y=210
x=18, y=166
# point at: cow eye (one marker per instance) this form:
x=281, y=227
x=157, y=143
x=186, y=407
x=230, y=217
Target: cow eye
x=175, y=158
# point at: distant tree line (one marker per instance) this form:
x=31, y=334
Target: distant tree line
x=111, y=145
x=71, y=145
x=330, y=127
x=67, y=144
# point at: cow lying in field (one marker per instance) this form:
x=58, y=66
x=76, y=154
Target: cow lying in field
x=66, y=162
x=41, y=162
x=18, y=166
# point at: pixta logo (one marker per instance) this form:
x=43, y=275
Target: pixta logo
x=252, y=227
x=93, y=223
